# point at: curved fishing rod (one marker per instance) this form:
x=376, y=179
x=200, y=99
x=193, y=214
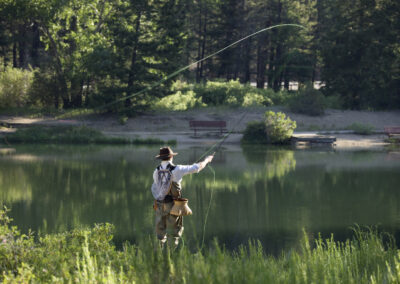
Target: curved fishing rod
x=158, y=83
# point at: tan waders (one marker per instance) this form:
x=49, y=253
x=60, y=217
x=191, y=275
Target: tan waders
x=165, y=221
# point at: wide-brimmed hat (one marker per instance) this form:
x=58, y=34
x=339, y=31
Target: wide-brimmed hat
x=165, y=152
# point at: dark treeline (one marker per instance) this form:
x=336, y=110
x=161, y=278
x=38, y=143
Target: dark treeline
x=90, y=52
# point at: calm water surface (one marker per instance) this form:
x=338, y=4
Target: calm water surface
x=266, y=194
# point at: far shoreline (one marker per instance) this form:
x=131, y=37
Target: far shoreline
x=174, y=125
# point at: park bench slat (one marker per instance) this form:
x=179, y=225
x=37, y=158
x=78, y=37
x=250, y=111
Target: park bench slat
x=392, y=130
x=197, y=125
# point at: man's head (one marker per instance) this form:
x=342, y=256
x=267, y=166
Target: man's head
x=166, y=154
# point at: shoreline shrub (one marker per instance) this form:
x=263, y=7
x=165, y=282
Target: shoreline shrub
x=279, y=129
x=255, y=133
x=361, y=129
x=276, y=129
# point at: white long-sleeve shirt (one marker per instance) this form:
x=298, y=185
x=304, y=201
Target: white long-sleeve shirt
x=178, y=172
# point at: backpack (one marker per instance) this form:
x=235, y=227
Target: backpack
x=161, y=188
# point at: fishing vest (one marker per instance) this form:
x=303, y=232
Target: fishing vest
x=165, y=185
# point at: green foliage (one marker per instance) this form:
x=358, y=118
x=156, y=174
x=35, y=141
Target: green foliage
x=87, y=255
x=96, y=51
x=232, y=93
x=123, y=119
x=75, y=135
x=67, y=134
x=308, y=101
x=276, y=129
x=15, y=85
x=333, y=102
x=362, y=129
x=255, y=133
x=393, y=140
x=153, y=141
x=45, y=89
x=180, y=101
x=255, y=99
x=360, y=53
x=217, y=93
x=279, y=128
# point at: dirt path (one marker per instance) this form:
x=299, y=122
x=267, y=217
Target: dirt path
x=175, y=125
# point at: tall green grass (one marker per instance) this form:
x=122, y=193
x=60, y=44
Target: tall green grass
x=75, y=135
x=88, y=256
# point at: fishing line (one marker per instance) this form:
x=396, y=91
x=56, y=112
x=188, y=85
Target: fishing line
x=208, y=209
x=217, y=145
x=187, y=67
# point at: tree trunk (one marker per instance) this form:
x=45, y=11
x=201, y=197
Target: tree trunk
x=203, y=44
x=62, y=81
x=22, y=46
x=278, y=71
x=15, y=65
x=131, y=78
x=260, y=66
x=35, y=45
x=200, y=40
x=246, y=62
x=271, y=67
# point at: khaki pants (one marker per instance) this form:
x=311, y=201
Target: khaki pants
x=165, y=221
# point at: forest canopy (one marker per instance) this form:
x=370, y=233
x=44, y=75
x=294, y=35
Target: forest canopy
x=87, y=53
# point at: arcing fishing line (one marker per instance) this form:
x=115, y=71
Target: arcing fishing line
x=191, y=64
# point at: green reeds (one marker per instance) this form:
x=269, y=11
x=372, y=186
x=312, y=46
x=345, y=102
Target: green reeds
x=88, y=256
x=75, y=135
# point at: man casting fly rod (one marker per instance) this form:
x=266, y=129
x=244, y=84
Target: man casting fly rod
x=166, y=189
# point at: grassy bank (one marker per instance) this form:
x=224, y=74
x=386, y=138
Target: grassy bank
x=88, y=256
x=74, y=135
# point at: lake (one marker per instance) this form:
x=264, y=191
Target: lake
x=270, y=194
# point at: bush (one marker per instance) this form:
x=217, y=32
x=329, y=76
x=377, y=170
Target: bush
x=334, y=102
x=45, y=89
x=279, y=128
x=217, y=93
x=231, y=93
x=362, y=129
x=255, y=133
x=308, y=101
x=180, y=101
x=255, y=99
x=15, y=85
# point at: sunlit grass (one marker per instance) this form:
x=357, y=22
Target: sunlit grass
x=88, y=256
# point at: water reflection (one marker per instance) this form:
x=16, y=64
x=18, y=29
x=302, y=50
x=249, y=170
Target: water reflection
x=267, y=194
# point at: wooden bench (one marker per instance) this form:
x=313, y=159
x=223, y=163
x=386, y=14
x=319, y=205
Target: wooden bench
x=392, y=130
x=207, y=125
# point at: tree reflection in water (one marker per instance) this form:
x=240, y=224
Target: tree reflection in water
x=261, y=193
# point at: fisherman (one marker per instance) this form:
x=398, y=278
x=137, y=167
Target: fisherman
x=167, y=187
